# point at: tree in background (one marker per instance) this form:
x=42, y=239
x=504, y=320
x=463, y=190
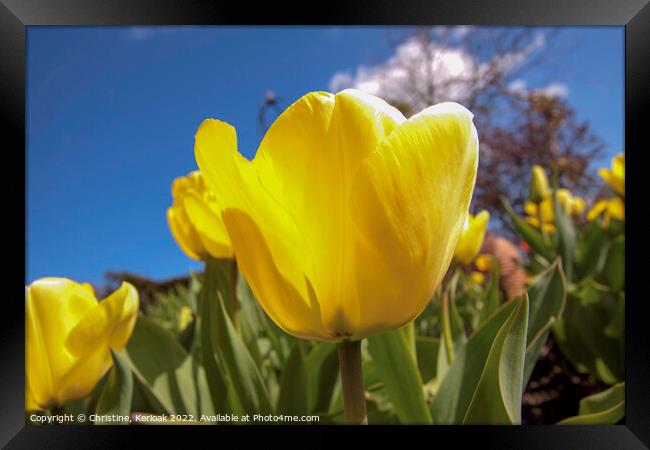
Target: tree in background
x=482, y=68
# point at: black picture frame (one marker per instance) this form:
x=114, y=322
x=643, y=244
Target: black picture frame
x=634, y=15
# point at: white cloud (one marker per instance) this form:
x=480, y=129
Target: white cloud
x=556, y=90
x=517, y=86
x=425, y=71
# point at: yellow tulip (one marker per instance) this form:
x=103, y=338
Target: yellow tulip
x=185, y=316
x=608, y=208
x=471, y=238
x=615, y=176
x=572, y=206
x=69, y=335
x=477, y=277
x=195, y=220
x=539, y=189
x=483, y=262
x=346, y=220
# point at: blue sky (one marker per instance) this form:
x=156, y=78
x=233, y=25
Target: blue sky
x=112, y=112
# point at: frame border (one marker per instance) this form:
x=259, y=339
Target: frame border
x=16, y=15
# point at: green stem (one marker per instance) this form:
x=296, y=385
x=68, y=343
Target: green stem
x=446, y=328
x=409, y=334
x=354, y=400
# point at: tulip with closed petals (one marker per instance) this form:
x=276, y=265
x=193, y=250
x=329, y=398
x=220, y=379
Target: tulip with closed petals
x=539, y=189
x=195, y=220
x=347, y=218
x=543, y=211
x=69, y=337
x=471, y=238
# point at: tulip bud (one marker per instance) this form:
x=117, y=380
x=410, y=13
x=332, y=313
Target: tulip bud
x=539, y=189
x=471, y=238
x=195, y=221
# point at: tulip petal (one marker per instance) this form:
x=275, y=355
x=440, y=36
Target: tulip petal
x=53, y=307
x=530, y=208
x=211, y=230
x=309, y=157
x=83, y=375
x=471, y=238
x=617, y=208
x=109, y=324
x=182, y=235
x=409, y=202
x=597, y=210
x=236, y=185
x=280, y=299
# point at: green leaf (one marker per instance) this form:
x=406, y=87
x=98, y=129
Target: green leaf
x=484, y=383
x=590, y=250
x=566, y=233
x=492, y=297
x=246, y=389
x=250, y=318
x=547, y=298
x=529, y=234
x=400, y=376
x=173, y=382
x=214, y=280
x=613, y=272
x=582, y=332
x=603, y=408
x=427, y=353
x=117, y=394
x=323, y=367
x=294, y=384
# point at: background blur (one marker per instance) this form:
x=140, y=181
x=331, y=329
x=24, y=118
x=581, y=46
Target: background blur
x=112, y=113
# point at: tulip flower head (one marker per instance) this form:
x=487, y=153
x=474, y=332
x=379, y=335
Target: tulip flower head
x=615, y=176
x=539, y=189
x=347, y=218
x=483, y=262
x=477, y=277
x=608, y=208
x=471, y=237
x=572, y=206
x=69, y=335
x=195, y=220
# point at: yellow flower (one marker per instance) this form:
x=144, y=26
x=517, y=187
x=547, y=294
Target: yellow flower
x=69, y=335
x=573, y=206
x=477, y=277
x=195, y=220
x=608, y=208
x=471, y=238
x=539, y=189
x=347, y=218
x=185, y=317
x=616, y=176
x=483, y=262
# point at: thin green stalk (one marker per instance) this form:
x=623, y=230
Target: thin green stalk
x=409, y=334
x=354, y=399
x=446, y=328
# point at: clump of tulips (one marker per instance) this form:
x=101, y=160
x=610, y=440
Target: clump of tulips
x=343, y=282
x=590, y=332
